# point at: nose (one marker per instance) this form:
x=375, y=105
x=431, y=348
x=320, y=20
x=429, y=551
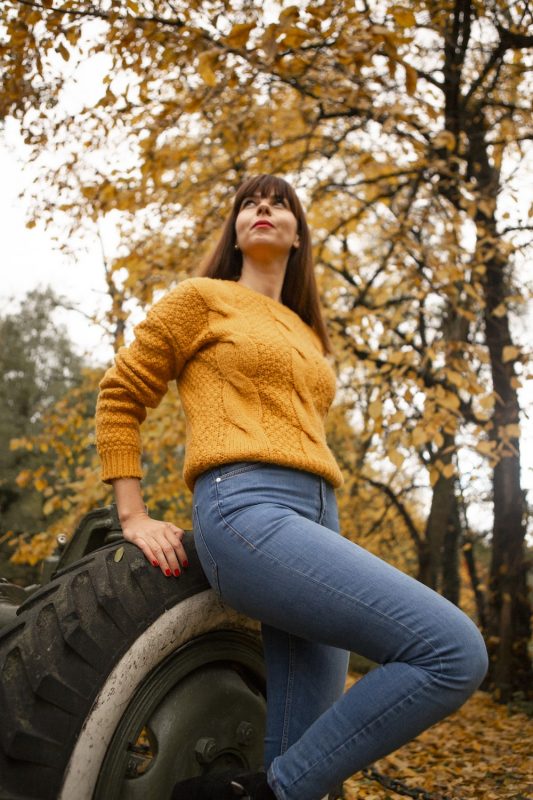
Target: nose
x=263, y=206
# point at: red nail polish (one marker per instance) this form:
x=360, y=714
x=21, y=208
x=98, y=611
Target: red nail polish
x=155, y=563
x=167, y=572
x=185, y=564
x=176, y=572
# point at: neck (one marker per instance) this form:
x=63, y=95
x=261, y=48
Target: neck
x=266, y=278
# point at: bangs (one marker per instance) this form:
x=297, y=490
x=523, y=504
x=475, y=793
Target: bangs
x=268, y=186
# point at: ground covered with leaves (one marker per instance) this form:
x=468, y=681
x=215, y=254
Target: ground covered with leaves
x=482, y=751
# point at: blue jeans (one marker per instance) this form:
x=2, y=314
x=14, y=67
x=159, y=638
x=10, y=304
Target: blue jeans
x=268, y=540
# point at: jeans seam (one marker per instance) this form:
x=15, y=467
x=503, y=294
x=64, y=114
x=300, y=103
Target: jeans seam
x=274, y=783
x=214, y=567
x=288, y=698
x=323, y=585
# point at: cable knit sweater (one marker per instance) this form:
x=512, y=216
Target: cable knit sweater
x=251, y=375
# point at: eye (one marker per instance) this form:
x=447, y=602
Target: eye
x=248, y=201
x=279, y=201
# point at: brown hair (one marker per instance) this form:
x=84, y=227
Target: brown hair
x=300, y=291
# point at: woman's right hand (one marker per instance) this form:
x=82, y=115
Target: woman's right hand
x=161, y=542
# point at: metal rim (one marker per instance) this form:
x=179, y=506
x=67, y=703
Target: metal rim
x=233, y=651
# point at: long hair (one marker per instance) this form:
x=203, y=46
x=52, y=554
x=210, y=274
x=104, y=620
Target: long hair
x=299, y=291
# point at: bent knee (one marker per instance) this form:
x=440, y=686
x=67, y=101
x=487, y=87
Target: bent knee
x=470, y=658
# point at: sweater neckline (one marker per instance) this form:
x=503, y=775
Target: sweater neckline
x=274, y=304
x=260, y=295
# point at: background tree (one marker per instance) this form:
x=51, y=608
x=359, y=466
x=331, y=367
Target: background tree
x=406, y=129
x=38, y=366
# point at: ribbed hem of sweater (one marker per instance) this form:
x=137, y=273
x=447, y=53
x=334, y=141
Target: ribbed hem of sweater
x=120, y=464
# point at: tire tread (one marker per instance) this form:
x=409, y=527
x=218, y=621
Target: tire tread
x=65, y=641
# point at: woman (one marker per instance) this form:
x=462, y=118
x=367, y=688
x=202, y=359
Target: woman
x=247, y=345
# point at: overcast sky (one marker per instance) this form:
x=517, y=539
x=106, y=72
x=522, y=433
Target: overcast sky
x=30, y=258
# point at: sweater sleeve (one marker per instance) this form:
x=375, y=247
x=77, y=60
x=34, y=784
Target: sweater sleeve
x=170, y=335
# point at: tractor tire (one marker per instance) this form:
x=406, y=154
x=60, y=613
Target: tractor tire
x=116, y=682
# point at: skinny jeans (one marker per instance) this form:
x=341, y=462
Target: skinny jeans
x=268, y=540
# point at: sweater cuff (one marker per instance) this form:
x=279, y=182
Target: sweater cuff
x=120, y=464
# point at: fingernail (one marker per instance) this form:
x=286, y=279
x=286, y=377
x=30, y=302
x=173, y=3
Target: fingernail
x=155, y=563
x=167, y=572
x=185, y=564
x=176, y=572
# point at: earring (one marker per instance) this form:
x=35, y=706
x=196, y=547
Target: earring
x=236, y=246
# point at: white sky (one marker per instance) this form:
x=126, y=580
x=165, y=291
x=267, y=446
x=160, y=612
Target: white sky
x=31, y=259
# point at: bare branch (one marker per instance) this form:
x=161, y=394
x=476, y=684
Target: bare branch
x=411, y=527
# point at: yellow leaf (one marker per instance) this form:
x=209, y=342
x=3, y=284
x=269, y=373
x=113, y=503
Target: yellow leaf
x=419, y=436
x=513, y=430
x=487, y=206
x=444, y=139
x=396, y=458
x=510, y=353
x=295, y=37
x=486, y=402
x=397, y=417
x=118, y=554
x=411, y=77
x=323, y=12
x=63, y=52
x=455, y=377
x=375, y=409
x=238, y=36
x=23, y=478
x=438, y=439
x=289, y=15
x=206, y=64
x=403, y=17
x=448, y=470
x=51, y=505
x=450, y=401
x=485, y=447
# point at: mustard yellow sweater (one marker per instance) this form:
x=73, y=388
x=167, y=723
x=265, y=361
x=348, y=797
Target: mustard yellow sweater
x=251, y=377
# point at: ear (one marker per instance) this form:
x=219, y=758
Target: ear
x=296, y=242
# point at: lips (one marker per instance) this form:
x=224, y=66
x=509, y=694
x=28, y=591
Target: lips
x=262, y=224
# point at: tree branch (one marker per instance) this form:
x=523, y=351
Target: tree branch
x=94, y=13
x=514, y=41
x=411, y=527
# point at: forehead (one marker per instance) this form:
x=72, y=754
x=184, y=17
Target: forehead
x=265, y=186
x=273, y=194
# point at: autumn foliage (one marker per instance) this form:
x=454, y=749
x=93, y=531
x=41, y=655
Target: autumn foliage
x=405, y=128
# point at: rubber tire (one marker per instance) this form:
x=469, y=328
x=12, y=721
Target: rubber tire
x=63, y=663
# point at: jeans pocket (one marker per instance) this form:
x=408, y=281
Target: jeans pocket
x=207, y=561
x=231, y=470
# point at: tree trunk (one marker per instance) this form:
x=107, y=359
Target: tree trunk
x=508, y=620
x=508, y=626
x=439, y=560
x=423, y=562
x=451, y=582
x=508, y=614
